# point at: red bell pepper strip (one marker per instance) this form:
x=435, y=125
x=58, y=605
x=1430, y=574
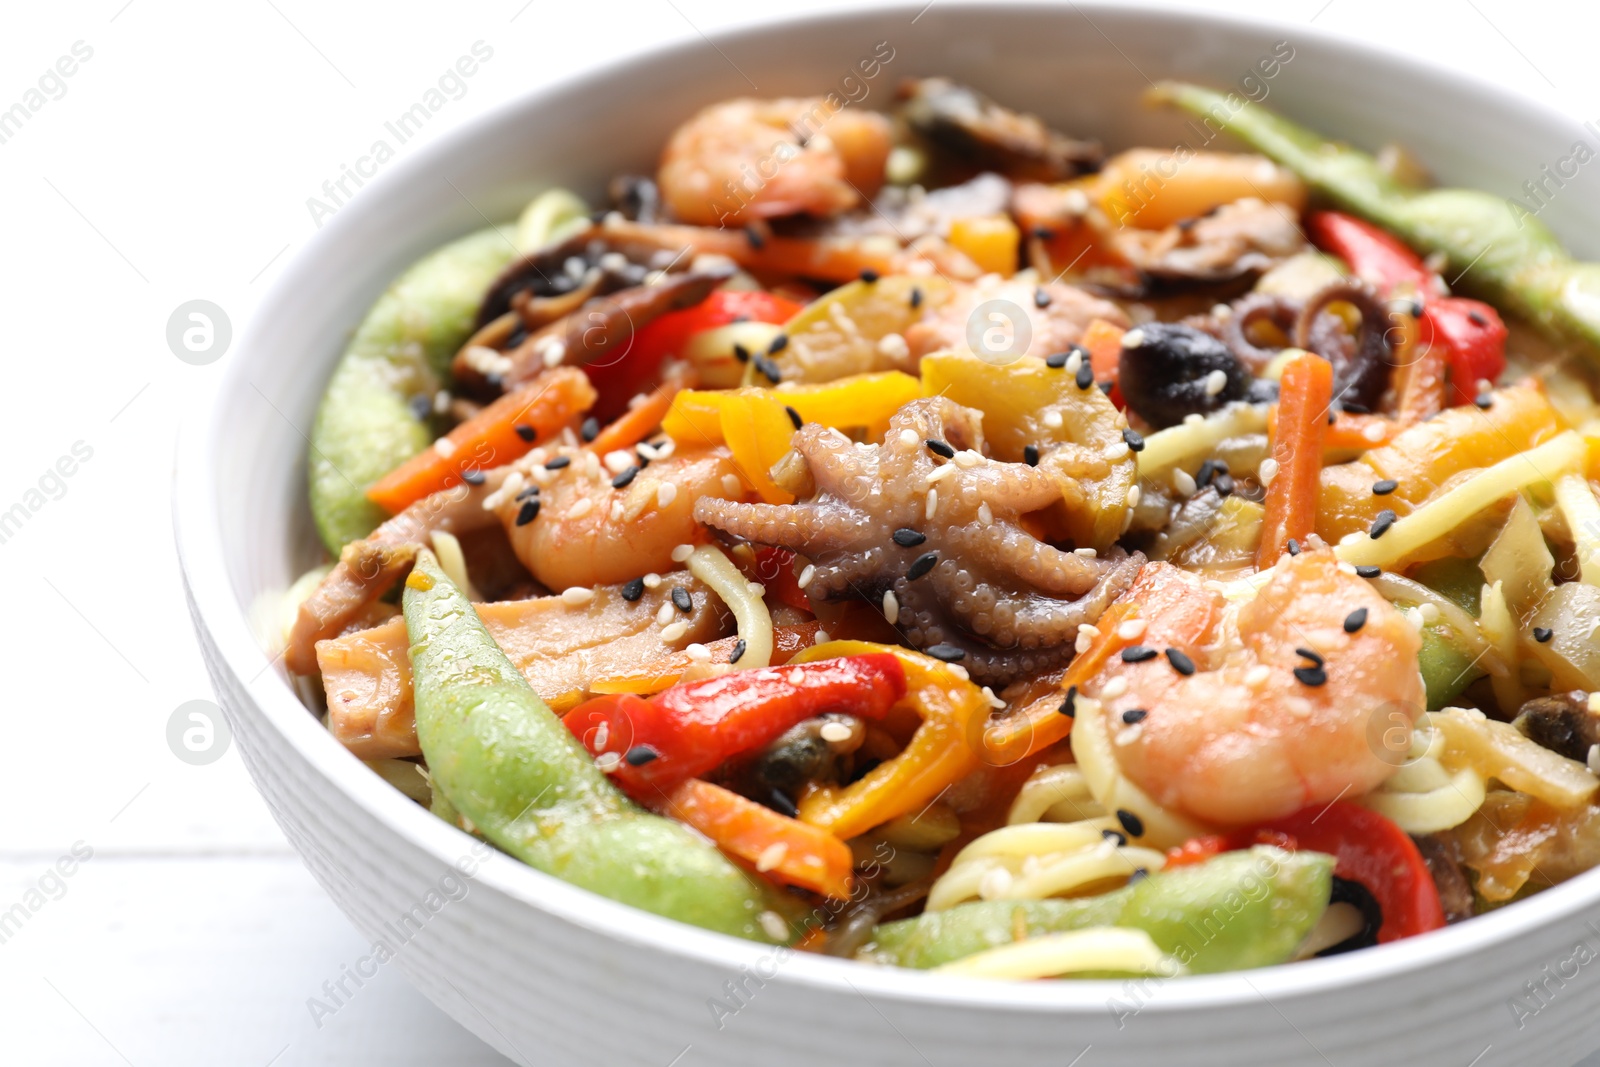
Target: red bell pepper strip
x=620, y=380
x=1470, y=331
x=691, y=729
x=1367, y=848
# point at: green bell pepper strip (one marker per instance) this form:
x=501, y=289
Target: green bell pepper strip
x=1235, y=911
x=504, y=761
x=366, y=425
x=1495, y=248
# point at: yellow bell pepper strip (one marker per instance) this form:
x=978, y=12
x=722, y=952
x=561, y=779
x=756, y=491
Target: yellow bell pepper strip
x=953, y=712
x=989, y=240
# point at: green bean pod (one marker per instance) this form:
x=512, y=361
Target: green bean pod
x=367, y=425
x=1495, y=248
x=1239, y=910
x=508, y=764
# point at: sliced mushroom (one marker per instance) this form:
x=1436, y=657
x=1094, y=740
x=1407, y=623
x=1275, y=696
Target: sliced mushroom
x=974, y=130
x=1561, y=722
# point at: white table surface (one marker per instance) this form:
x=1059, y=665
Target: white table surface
x=176, y=165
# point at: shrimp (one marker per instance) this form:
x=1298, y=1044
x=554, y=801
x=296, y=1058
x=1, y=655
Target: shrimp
x=1044, y=318
x=749, y=159
x=1259, y=729
x=585, y=531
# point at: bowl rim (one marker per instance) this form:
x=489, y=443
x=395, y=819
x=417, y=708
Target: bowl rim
x=202, y=559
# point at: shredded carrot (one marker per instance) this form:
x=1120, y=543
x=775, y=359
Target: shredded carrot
x=1196, y=850
x=493, y=437
x=1103, y=339
x=636, y=423
x=782, y=848
x=1422, y=376
x=1304, y=395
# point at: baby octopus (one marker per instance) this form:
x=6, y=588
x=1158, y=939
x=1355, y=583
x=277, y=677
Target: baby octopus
x=932, y=529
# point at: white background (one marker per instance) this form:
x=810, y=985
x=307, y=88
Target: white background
x=176, y=166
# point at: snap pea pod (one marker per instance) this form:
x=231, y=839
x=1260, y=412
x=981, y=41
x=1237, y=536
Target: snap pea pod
x=366, y=425
x=1235, y=911
x=504, y=761
x=1495, y=248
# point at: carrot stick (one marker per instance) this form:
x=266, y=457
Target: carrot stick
x=1422, y=378
x=634, y=425
x=1103, y=339
x=491, y=438
x=1304, y=394
x=783, y=848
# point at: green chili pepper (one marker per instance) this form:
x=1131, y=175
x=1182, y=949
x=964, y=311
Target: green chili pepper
x=400, y=355
x=1238, y=910
x=505, y=762
x=1495, y=248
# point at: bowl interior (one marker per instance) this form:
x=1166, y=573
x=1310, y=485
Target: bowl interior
x=244, y=526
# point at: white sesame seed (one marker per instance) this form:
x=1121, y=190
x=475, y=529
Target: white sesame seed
x=682, y=552
x=1089, y=628
x=797, y=677
x=666, y=448
x=1133, y=339
x=697, y=652
x=939, y=474
x=441, y=402
x=647, y=450
x=1086, y=553
x=1118, y=451
x=608, y=761
x=755, y=588
x=1184, y=482
x=994, y=884
x=591, y=464
x=581, y=508
x=1114, y=688
x=616, y=510
x=674, y=632
x=636, y=399
x=1053, y=419
x=985, y=514
x=1373, y=432
x=894, y=346
x=664, y=614
x=994, y=701
x=554, y=353
x=577, y=596
x=773, y=925
x=959, y=671
x=834, y=732
x=1429, y=612
x=1216, y=382
x=1132, y=630
x=966, y=459
x=618, y=461
x=445, y=447
x=908, y=438
x=1194, y=418
x=1267, y=471
x=1074, y=361
x=1347, y=568
x=666, y=493
x=731, y=484
x=821, y=638
x=932, y=505
x=1257, y=674
x=891, y=607
x=1083, y=643
x=771, y=856
x=652, y=580
x=1594, y=759
x=806, y=575
x=1134, y=495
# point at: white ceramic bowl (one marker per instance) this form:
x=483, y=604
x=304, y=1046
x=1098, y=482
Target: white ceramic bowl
x=549, y=974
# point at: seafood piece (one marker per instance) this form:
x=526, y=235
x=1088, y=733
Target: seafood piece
x=994, y=309
x=1237, y=713
x=1244, y=237
x=982, y=134
x=576, y=522
x=928, y=517
x=751, y=159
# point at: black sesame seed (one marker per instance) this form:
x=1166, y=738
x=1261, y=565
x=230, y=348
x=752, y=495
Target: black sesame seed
x=1292, y=547
x=1130, y=822
x=1542, y=634
x=779, y=343
x=682, y=600
x=558, y=463
x=1209, y=471
x=1354, y=408
x=916, y=298
x=940, y=448
x=624, y=477
x=529, y=512
x=1133, y=715
x=1057, y=360
x=1138, y=653
x=768, y=369
x=1477, y=318
x=1311, y=654
x=472, y=476
x=906, y=537
x=1416, y=309
x=1030, y=455
x=1355, y=620
x=1107, y=386
x=752, y=233
x=1069, y=706
x=1333, y=416
x=921, y=565
x=1041, y=298
x=741, y=353
x=639, y=755
x=1180, y=662
x=738, y=651
x=1085, y=378
x=1385, y=487
x=1367, y=570
x=590, y=429
x=526, y=432
x=1485, y=401
x=517, y=336
x=947, y=653
x=794, y=416
x=869, y=275
x=1312, y=676
x=633, y=590
x=779, y=802
x=1381, y=524
x=1114, y=835
x=1044, y=233
x=1139, y=874
x=422, y=406
x=1223, y=484
x=1133, y=439
x=532, y=490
